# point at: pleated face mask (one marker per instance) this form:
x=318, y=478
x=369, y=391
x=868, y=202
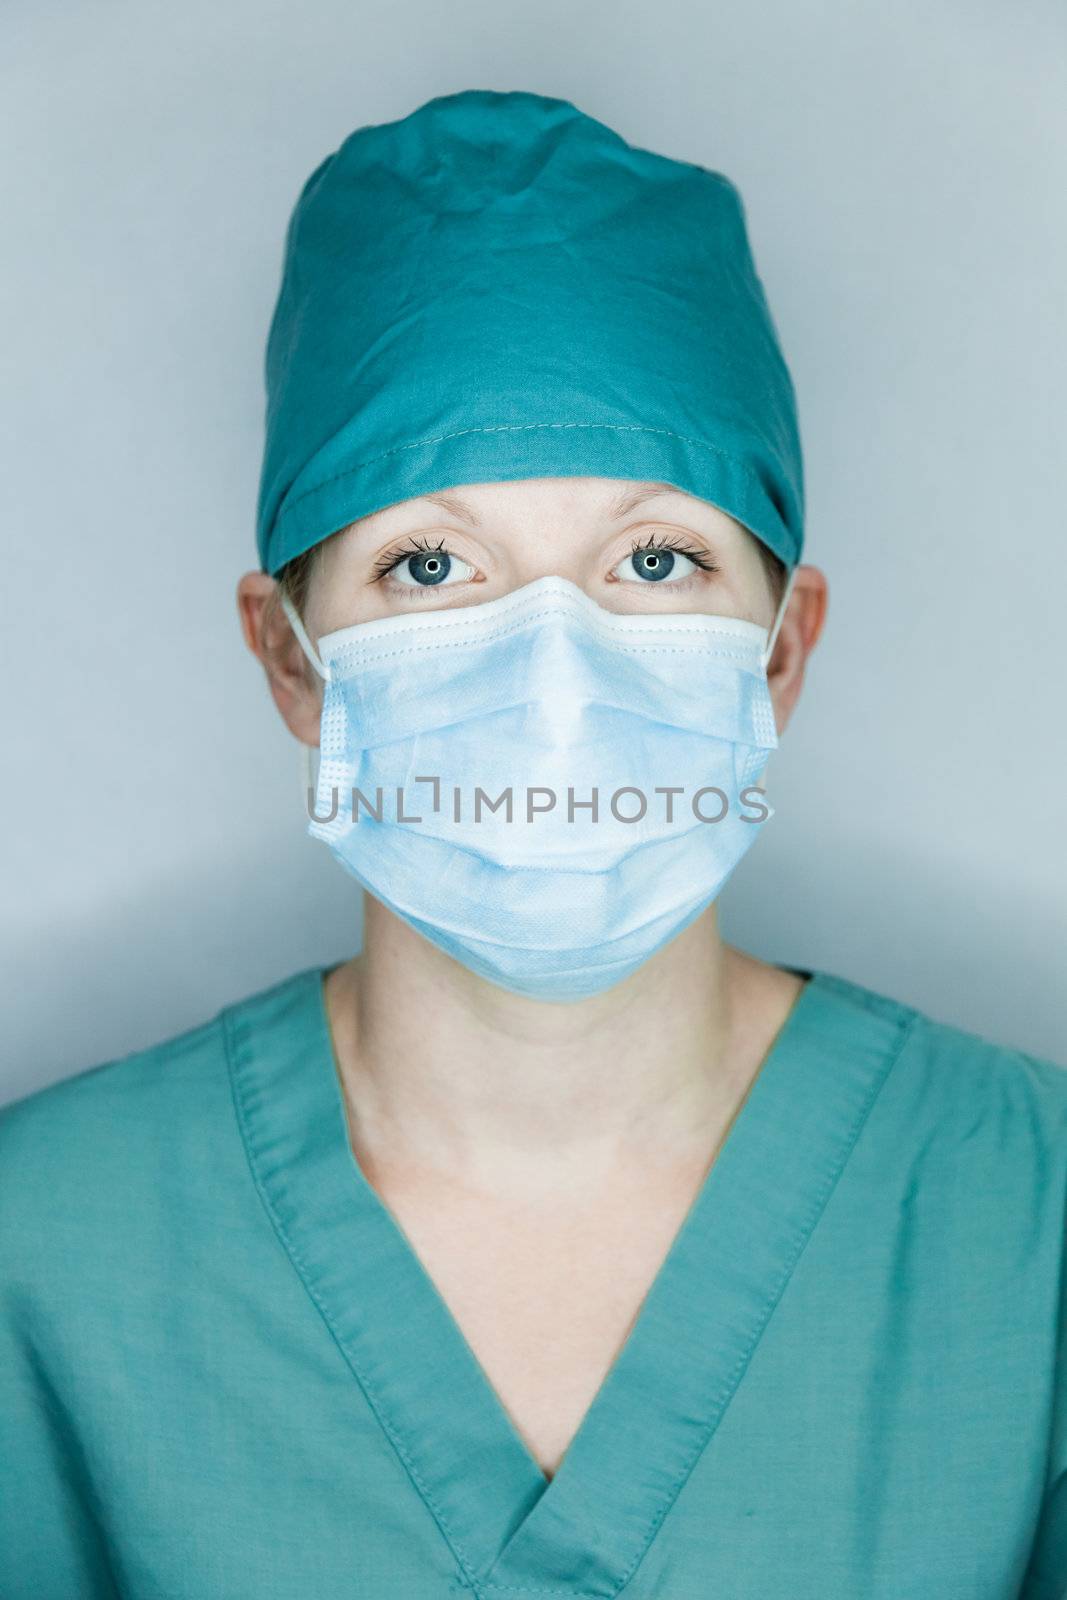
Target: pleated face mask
x=546, y=790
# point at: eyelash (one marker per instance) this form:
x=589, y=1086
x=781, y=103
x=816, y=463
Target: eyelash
x=697, y=557
x=392, y=558
x=395, y=557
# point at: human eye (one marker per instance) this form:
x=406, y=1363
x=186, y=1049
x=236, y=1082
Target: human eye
x=657, y=561
x=419, y=565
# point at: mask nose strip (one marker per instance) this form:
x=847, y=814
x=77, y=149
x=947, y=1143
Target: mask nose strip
x=557, y=714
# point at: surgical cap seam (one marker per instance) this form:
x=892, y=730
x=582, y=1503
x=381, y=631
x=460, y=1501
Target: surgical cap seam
x=505, y=427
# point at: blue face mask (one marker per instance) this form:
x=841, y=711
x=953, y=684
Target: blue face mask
x=546, y=790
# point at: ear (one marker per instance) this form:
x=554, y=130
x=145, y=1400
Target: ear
x=798, y=635
x=293, y=682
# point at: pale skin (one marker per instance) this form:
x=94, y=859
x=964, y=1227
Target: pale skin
x=540, y=1158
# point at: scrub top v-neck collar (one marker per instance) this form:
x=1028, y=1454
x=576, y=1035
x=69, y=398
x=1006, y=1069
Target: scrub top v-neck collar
x=583, y=1533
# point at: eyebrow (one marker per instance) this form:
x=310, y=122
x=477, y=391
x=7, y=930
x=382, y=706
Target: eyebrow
x=620, y=507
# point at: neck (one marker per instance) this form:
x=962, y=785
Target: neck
x=445, y=1072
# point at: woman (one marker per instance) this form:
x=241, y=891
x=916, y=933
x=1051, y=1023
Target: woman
x=549, y=1246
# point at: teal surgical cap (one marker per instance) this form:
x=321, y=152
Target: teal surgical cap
x=498, y=286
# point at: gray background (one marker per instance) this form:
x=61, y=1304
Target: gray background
x=903, y=171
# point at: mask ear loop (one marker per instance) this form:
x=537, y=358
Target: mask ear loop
x=302, y=637
x=308, y=785
x=768, y=649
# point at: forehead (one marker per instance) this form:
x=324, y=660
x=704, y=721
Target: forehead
x=608, y=498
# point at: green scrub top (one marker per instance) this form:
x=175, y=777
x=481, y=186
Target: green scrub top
x=225, y=1375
